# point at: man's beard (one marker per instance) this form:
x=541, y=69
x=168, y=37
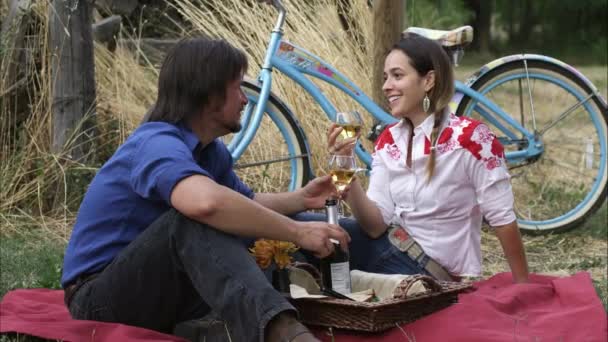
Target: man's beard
x=235, y=128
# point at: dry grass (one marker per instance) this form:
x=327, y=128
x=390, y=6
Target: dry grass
x=312, y=25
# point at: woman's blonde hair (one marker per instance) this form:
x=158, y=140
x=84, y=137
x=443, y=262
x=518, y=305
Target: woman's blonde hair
x=427, y=55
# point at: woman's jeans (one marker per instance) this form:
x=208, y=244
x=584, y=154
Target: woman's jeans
x=367, y=254
x=178, y=270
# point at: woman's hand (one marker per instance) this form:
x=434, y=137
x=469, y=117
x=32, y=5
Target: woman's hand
x=342, y=147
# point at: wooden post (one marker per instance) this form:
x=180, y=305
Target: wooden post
x=73, y=75
x=388, y=23
x=12, y=36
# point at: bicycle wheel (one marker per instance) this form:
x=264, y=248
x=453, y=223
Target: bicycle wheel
x=567, y=183
x=277, y=159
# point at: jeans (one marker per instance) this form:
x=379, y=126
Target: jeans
x=367, y=254
x=178, y=270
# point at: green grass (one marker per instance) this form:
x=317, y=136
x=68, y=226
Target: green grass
x=30, y=261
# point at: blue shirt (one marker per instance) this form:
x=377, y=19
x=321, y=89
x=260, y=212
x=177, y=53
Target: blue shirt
x=133, y=188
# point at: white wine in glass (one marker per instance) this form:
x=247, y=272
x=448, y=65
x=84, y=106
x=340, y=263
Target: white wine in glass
x=350, y=122
x=341, y=178
x=342, y=168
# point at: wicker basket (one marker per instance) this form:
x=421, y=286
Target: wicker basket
x=377, y=316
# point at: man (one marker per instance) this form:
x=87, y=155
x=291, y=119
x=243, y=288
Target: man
x=157, y=237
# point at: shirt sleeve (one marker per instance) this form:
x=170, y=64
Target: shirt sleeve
x=230, y=178
x=378, y=192
x=488, y=172
x=159, y=163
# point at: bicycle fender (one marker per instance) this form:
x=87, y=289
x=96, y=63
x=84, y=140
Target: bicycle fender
x=526, y=57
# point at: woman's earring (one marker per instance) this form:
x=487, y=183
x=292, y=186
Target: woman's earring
x=426, y=103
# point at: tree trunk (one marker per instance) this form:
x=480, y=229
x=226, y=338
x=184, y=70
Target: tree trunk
x=388, y=23
x=73, y=75
x=481, y=23
x=527, y=21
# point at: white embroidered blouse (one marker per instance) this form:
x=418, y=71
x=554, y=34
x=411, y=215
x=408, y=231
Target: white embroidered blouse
x=470, y=182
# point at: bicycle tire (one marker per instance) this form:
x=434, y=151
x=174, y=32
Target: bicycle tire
x=269, y=164
x=548, y=196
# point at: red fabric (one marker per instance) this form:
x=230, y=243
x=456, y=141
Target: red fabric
x=546, y=309
x=41, y=312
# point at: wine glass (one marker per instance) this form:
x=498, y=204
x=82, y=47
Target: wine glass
x=342, y=169
x=351, y=123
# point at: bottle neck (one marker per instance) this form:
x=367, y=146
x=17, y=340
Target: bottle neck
x=331, y=210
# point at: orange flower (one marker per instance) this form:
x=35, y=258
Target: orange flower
x=267, y=251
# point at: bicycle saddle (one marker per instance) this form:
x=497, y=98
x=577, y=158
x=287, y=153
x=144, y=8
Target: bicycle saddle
x=454, y=38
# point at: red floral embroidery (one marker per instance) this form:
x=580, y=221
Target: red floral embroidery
x=449, y=146
x=445, y=135
x=393, y=152
x=465, y=138
x=482, y=134
x=445, y=142
x=427, y=146
x=497, y=148
x=492, y=163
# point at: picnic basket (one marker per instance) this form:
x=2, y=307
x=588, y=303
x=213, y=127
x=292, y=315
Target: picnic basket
x=377, y=316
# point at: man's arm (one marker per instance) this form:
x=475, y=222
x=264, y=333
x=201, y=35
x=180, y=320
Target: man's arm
x=312, y=196
x=513, y=248
x=201, y=199
x=286, y=203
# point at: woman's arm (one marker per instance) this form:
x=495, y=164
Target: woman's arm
x=513, y=248
x=371, y=215
x=365, y=211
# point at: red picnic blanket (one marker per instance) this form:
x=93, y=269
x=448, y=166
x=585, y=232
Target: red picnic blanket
x=42, y=313
x=547, y=309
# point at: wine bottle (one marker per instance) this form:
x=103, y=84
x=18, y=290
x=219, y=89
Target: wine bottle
x=335, y=268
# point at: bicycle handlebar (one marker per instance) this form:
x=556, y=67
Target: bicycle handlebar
x=282, y=11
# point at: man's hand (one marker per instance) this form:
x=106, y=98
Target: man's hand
x=314, y=194
x=314, y=236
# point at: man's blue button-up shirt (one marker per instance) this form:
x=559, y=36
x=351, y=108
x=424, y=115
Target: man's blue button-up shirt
x=133, y=188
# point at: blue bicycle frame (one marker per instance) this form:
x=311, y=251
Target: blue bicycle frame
x=296, y=63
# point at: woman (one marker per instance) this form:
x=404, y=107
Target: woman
x=434, y=178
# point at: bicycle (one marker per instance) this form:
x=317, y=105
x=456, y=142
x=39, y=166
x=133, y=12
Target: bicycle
x=551, y=98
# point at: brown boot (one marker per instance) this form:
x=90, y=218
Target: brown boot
x=284, y=327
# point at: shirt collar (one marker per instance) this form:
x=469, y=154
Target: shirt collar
x=426, y=126
x=401, y=128
x=189, y=137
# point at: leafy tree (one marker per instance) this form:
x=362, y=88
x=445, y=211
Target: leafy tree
x=574, y=29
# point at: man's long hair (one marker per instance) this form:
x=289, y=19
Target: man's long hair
x=194, y=73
